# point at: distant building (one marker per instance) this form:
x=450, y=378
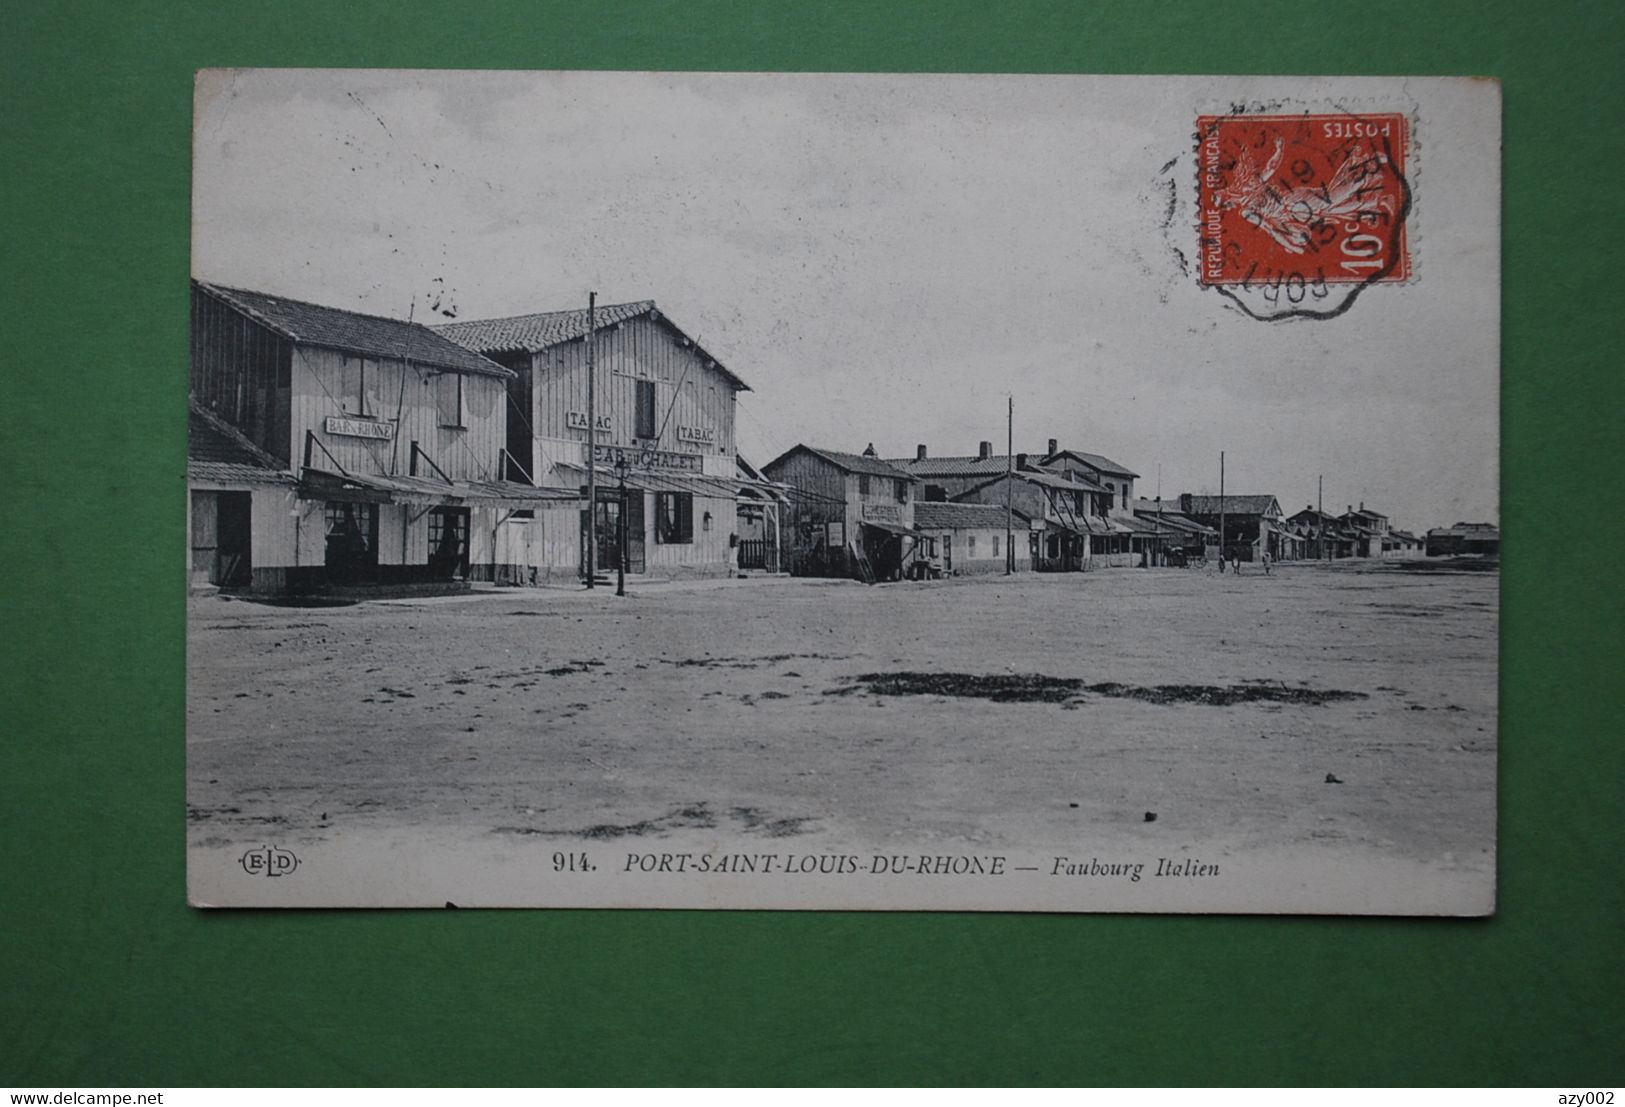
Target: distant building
x=965, y=538
x=1367, y=529
x=1177, y=537
x=1464, y=538
x=1079, y=503
x=1252, y=523
x=844, y=512
x=1325, y=537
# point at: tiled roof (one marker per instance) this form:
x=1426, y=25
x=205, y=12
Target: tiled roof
x=932, y=515
x=1232, y=505
x=1169, y=519
x=535, y=332
x=1096, y=461
x=354, y=333
x=954, y=466
x=851, y=463
x=539, y=330
x=993, y=466
x=215, y=450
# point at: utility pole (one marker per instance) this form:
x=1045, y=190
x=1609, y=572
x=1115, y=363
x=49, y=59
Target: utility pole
x=620, y=537
x=1320, y=512
x=1009, y=484
x=1221, y=511
x=592, y=443
x=1157, y=549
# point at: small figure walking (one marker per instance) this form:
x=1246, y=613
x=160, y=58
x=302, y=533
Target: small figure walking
x=1266, y=563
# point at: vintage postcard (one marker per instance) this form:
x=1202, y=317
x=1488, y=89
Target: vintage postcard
x=812, y=491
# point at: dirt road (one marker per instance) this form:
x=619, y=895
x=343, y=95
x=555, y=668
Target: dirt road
x=1344, y=707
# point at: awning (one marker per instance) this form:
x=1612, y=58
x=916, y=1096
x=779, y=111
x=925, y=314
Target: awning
x=890, y=528
x=318, y=484
x=664, y=480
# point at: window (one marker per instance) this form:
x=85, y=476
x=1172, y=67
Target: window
x=645, y=396
x=863, y=484
x=995, y=545
x=448, y=396
x=1125, y=497
x=674, y=518
x=970, y=546
x=357, y=380
x=902, y=490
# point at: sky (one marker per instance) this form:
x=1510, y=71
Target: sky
x=892, y=259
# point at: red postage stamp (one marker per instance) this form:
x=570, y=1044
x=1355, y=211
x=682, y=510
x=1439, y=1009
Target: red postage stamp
x=1296, y=203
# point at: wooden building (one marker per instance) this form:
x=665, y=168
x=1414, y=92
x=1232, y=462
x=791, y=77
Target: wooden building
x=1252, y=524
x=368, y=450
x=849, y=514
x=1175, y=539
x=664, y=415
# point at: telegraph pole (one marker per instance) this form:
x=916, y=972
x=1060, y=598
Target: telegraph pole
x=592, y=443
x=620, y=544
x=1320, y=510
x=1221, y=511
x=1009, y=484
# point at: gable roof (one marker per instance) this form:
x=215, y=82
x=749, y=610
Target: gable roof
x=1094, y=461
x=543, y=329
x=934, y=515
x=1233, y=505
x=352, y=332
x=851, y=463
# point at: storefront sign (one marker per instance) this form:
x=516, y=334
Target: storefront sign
x=704, y=435
x=359, y=428
x=577, y=420
x=883, y=513
x=637, y=458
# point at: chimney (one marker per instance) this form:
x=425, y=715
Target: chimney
x=1350, y=510
x=1054, y=448
x=1021, y=461
x=984, y=451
x=1184, y=501
x=1362, y=505
x=919, y=452
x=869, y=451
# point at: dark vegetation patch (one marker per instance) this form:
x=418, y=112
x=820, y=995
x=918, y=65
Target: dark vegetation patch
x=692, y=816
x=757, y=821
x=1036, y=688
x=742, y=662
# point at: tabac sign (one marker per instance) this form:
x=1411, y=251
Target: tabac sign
x=359, y=428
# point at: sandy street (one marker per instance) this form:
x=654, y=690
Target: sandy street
x=1349, y=709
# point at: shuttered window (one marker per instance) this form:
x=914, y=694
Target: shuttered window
x=674, y=518
x=449, y=399
x=645, y=409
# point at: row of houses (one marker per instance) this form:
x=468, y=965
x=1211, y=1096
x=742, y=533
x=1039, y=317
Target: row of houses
x=337, y=451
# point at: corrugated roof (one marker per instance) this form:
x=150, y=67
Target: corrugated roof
x=1233, y=505
x=539, y=330
x=354, y=333
x=851, y=463
x=932, y=515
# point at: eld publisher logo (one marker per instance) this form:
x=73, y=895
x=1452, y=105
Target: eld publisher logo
x=269, y=861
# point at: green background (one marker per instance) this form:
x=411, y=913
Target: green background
x=107, y=978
